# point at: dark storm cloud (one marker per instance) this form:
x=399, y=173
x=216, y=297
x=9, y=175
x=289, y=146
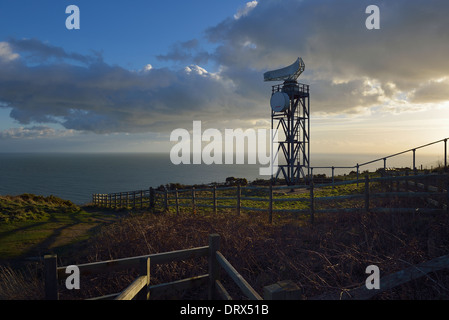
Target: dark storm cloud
x=41, y=52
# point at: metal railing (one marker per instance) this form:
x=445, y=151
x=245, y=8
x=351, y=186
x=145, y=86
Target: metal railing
x=384, y=159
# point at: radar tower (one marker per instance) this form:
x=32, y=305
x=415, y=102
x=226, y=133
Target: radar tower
x=290, y=107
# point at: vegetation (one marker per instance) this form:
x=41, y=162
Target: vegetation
x=32, y=224
x=28, y=207
x=330, y=255
x=327, y=256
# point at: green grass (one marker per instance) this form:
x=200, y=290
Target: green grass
x=185, y=205
x=28, y=207
x=33, y=225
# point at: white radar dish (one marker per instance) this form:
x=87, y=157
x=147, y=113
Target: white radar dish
x=290, y=73
x=280, y=101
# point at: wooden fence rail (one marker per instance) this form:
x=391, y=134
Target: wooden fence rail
x=196, y=198
x=140, y=288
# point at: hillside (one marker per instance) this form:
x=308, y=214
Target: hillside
x=327, y=256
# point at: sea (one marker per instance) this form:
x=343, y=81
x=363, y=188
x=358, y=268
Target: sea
x=76, y=176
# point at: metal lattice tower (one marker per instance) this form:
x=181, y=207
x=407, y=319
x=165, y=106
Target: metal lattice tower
x=290, y=106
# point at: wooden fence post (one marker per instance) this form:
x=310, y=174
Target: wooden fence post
x=193, y=201
x=270, y=204
x=127, y=200
x=333, y=177
x=239, y=194
x=141, y=199
x=151, y=198
x=51, y=277
x=214, y=267
x=134, y=200
x=177, y=201
x=367, y=193
x=215, y=200
x=166, y=199
x=144, y=267
x=312, y=204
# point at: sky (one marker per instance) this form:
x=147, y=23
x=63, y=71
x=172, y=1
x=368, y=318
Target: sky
x=137, y=70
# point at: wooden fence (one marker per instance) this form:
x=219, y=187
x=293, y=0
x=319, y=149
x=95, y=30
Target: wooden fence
x=433, y=186
x=140, y=288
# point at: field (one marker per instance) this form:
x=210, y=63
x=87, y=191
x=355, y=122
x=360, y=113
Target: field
x=327, y=256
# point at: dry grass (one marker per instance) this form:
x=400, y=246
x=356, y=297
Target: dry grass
x=20, y=284
x=329, y=255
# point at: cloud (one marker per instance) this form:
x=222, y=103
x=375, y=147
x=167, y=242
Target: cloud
x=187, y=51
x=432, y=91
x=410, y=48
x=35, y=132
x=6, y=52
x=97, y=97
x=245, y=10
x=42, y=52
x=351, y=70
x=147, y=68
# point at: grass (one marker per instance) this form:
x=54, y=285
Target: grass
x=32, y=207
x=185, y=205
x=31, y=225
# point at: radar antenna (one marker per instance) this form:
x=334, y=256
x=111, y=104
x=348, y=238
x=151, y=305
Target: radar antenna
x=290, y=73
